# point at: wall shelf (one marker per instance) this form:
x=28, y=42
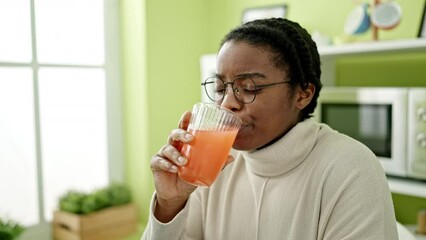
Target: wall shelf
x=385, y=46
x=330, y=53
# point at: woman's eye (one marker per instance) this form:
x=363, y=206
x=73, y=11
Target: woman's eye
x=249, y=91
x=219, y=90
x=247, y=85
x=250, y=88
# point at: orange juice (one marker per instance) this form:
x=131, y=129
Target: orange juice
x=206, y=154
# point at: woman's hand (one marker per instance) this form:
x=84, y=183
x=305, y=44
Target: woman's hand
x=172, y=192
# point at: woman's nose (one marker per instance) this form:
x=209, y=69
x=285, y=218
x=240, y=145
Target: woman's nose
x=230, y=101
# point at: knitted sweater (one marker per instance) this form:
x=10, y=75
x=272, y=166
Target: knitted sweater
x=313, y=183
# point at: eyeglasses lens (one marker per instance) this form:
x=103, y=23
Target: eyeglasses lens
x=244, y=89
x=215, y=89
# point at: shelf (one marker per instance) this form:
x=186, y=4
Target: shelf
x=383, y=46
x=329, y=54
x=407, y=187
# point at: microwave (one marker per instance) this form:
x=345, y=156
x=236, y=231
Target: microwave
x=390, y=121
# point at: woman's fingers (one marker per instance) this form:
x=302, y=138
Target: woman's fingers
x=184, y=120
x=179, y=136
x=172, y=154
x=159, y=163
x=169, y=157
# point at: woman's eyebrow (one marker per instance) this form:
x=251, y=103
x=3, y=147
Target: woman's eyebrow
x=220, y=76
x=243, y=75
x=251, y=75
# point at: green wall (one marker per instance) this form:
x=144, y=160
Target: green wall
x=135, y=101
x=396, y=69
x=407, y=207
x=176, y=36
x=162, y=43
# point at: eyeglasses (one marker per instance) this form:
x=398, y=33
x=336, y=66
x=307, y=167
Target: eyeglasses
x=244, y=88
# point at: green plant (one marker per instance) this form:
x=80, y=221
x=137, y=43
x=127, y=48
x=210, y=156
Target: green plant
x=82, y=203
x=72, y=201
x=10, y=230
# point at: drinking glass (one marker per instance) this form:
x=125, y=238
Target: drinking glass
x=214, y=129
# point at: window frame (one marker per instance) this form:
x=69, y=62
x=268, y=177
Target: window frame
x=112, y=69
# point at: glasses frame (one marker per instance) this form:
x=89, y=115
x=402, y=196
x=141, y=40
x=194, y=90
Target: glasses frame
x=235, y=90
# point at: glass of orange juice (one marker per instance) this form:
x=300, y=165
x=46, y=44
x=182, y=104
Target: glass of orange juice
x=214, y=129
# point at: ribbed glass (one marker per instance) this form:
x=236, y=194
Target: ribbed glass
x=213, y=117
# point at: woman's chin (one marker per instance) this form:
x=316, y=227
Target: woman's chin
x=243, y=144
x=244, y=139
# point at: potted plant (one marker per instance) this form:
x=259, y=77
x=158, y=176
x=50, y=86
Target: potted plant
x=10, y=230
x=106, y=213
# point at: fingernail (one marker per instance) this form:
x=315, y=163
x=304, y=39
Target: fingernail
x=182, y=160
x=174, y=169
x=188, y=137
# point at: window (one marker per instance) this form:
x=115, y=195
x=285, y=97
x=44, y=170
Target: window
x=60, y=122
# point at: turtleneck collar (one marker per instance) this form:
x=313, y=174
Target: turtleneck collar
x=285, y=154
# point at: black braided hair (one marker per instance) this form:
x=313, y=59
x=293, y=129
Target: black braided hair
x=292, y=49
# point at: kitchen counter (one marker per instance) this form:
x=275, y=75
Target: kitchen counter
x=412, y=229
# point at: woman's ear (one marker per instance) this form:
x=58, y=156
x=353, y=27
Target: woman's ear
x=305, y=96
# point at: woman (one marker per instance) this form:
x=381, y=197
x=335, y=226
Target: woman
x=292, y=178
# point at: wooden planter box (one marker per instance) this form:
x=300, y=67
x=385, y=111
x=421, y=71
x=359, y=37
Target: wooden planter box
x=107, y=224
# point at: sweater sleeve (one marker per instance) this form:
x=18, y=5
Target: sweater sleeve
x=172, y=230
x=186, y=225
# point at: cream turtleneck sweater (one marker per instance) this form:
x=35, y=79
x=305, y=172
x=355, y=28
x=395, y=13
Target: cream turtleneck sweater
x=313, y=183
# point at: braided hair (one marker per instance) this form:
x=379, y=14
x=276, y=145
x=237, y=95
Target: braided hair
x=292, y=49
